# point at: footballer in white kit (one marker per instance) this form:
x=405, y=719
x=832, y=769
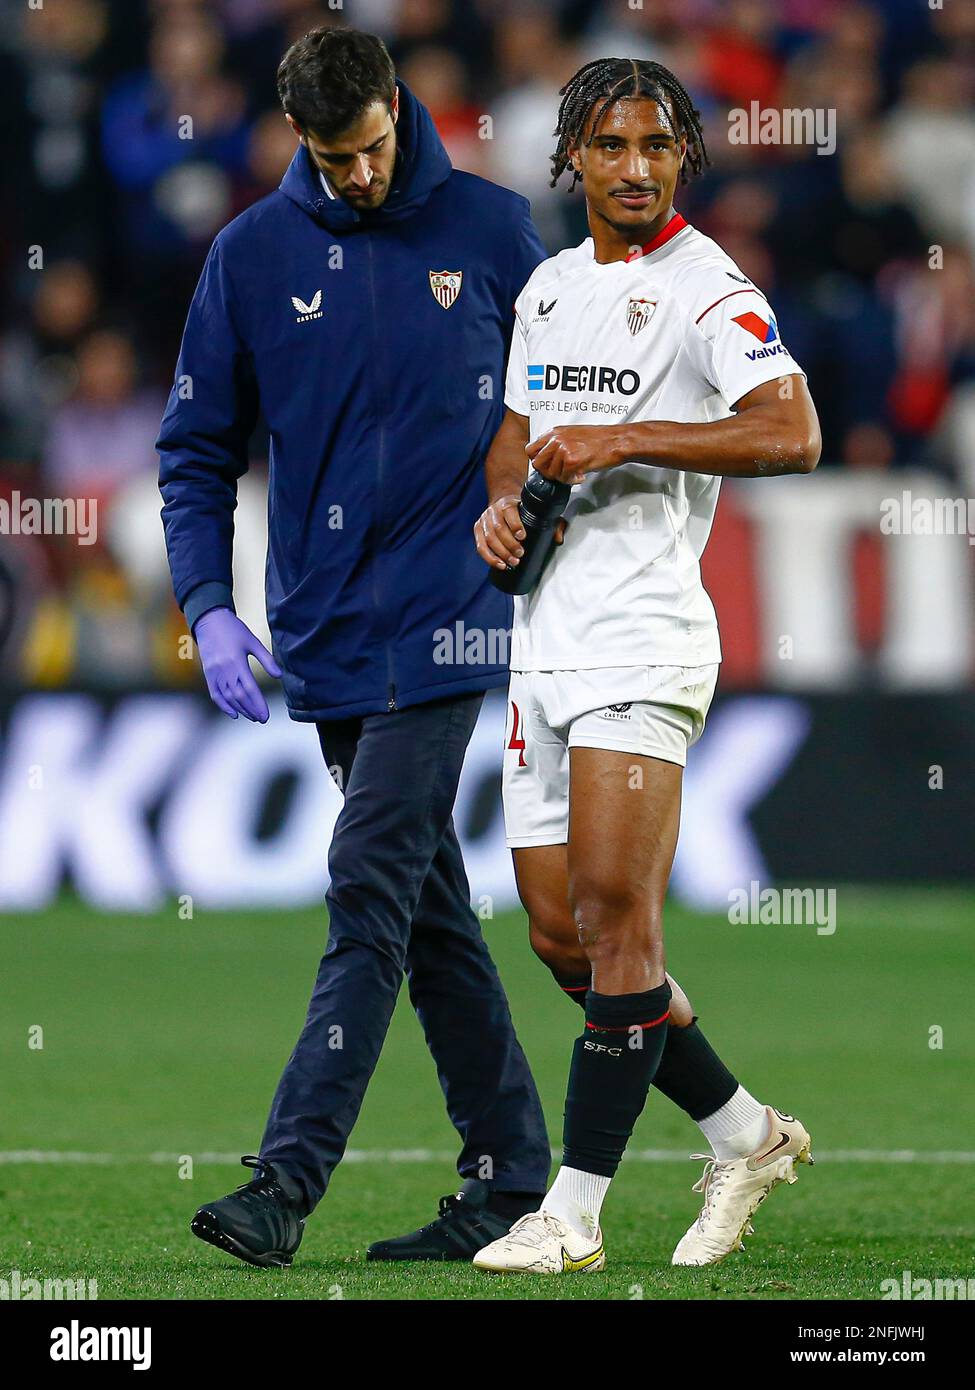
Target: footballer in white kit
x=674, y=332
x=644, y=367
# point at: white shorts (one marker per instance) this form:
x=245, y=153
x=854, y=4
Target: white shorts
x=652, y=711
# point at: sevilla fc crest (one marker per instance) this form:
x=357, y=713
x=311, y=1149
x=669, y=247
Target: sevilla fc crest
x=445, y=285
x=639, y=312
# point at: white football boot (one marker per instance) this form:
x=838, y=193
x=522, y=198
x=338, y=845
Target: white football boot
x=734, y=1188
x=542, y=1244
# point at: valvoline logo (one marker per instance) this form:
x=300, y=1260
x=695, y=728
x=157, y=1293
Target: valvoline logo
x=767, y=333
x=751, y=323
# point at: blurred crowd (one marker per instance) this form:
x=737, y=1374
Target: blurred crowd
x=107, y=212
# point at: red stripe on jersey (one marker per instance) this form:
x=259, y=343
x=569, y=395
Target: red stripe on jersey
x=730, y=295
x=675, y=225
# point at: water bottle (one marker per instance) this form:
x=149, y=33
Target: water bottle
x=542, y=503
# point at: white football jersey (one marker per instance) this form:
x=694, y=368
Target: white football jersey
x=676, y=332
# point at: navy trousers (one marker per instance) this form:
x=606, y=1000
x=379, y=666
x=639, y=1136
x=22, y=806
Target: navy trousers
x=399, y=902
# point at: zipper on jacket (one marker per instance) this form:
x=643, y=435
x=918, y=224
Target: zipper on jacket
x=380, y=467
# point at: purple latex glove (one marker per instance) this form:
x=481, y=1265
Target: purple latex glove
x=225, y=644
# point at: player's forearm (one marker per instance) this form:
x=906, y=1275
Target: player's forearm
x=506, y=467
x=757, y=443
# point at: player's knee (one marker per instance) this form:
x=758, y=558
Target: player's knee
x=611, y=950
x=611, y=912
x=615, y=925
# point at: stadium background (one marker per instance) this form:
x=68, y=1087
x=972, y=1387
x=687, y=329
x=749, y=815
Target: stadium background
x=144, y=840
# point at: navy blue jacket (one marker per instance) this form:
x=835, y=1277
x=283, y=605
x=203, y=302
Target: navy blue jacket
x=381, y=402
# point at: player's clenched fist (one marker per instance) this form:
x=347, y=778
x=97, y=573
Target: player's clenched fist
x=568, y=452
x=498, y=533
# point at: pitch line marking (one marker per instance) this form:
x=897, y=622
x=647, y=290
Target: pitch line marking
x=83, y=1158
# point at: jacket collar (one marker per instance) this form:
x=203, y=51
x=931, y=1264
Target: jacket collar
x=422, y=165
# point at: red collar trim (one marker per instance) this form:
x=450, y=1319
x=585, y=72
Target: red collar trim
x=675, y=225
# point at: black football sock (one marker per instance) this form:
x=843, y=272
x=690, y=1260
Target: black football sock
x=515, y=1204
x=613, y=1064
x=691, y=1073
x=574, y=989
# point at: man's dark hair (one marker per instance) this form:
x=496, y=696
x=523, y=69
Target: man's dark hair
x=328, y=78
x=610, y=79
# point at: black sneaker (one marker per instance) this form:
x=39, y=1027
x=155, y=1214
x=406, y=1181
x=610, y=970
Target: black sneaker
x=467, y=1222
x=260, y=1222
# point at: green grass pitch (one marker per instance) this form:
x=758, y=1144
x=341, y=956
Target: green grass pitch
x=164, y=1037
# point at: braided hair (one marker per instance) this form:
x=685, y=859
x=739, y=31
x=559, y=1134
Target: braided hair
x=612, y=79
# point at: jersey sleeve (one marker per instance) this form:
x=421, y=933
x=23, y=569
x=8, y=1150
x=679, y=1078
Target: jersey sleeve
x=203, y=438
x=516, y=380
x=735, y=339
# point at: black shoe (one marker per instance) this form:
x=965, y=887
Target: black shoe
x=261, y=1222
x=466, y=1223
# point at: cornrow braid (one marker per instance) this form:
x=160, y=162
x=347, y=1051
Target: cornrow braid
x=614, y=78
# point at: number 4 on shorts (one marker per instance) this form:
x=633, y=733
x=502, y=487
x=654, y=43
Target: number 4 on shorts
x=516, y=742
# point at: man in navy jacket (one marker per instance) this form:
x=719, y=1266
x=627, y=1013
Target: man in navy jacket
x=365, y=308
